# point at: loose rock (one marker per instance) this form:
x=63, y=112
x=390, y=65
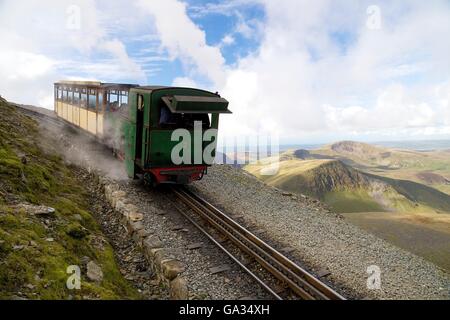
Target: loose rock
x=94, y=272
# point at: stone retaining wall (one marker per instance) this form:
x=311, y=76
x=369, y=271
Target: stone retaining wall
x=162, y=262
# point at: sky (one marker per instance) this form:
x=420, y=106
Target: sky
x=308, y=71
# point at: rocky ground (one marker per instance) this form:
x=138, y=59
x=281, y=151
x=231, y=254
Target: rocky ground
x=181, y=241
x=47, y=232
x=131, y=260
x=322, y=241
x=341, y=254
x=184, y=242
x=50, y=223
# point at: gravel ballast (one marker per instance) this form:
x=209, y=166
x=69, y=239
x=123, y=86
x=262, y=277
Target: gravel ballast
x=323, y=240
x=198, y=255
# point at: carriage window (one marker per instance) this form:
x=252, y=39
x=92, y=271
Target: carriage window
x=83, y=98
x=64, y=96
x=76, y=96
x=70, y=96
x=113, y=101
x=60, y=94
x=100, y=101
x=92, y=99
x=123, y=99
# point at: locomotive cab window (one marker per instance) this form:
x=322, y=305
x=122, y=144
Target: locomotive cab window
x=170, y=120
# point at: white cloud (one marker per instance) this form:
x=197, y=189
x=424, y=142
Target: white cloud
x=42, y=44
x=318, y=72
x=118, y=51
x=381, y=81
x=184, y=82
x=16, y=65
x=227, y=40
x=394, y=109
x=185, y=40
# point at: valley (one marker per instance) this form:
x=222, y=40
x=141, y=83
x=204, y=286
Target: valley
x=402, y=196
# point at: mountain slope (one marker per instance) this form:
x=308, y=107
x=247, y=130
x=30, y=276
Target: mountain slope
x=427, y=167
x=46, y=220
x=346, y=189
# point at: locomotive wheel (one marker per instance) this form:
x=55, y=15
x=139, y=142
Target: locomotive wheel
x=149, y=180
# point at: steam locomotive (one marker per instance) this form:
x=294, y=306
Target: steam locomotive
x=163, y=134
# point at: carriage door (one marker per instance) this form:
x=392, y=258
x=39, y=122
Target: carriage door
x=133, y=133
x=139, y=127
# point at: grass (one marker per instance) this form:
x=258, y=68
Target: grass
x=391, y=163
x=444, y=188
x=425, y=234
x=403, y=209
x=352, y=201
x=421, y=194
x=346, y=189
x=30, y=264
x=292, y=175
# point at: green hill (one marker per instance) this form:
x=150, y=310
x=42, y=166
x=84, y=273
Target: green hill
x=335, y=175
x=399, y=195
x=431, y=168
x=37, y=248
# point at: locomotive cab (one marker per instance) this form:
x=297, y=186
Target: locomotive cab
x=170, y=133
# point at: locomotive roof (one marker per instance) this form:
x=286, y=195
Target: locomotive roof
x=154, y=88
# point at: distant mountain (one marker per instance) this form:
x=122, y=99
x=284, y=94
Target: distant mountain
x=357, y=177
x=431, y=168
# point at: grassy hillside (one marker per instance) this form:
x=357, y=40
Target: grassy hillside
x=427, y=235
x=35, y=250
x=399, y=195
x=431, y=168
x=346, y=189
x=312, y=177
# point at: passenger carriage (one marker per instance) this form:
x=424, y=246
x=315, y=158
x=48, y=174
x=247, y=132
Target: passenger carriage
x=138, y=123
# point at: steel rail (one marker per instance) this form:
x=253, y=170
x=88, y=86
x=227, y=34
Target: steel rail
x=227, y=252
x=303, y=283
x=299, y=280
x=37, y=114
x=243, y=246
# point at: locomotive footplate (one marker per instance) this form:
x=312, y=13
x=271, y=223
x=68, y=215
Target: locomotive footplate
x=179, y=172
x=178, y=175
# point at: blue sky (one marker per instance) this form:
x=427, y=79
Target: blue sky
x=309, y=71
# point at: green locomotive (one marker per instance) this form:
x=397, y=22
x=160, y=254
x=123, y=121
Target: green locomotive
x=165, y=134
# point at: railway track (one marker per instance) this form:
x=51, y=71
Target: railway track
x=39, y=115
x=301, y=282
